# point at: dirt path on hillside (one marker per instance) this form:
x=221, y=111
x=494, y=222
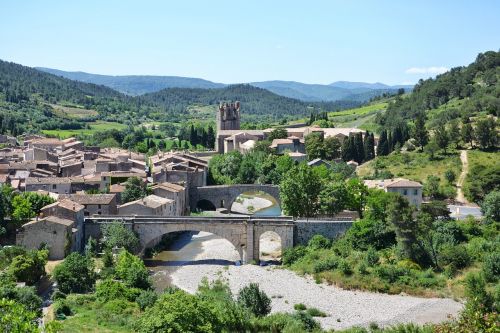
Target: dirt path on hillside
x=465, y=169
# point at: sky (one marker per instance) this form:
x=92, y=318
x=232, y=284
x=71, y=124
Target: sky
x=394, y=42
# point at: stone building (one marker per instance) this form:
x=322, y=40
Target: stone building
x=174, y=192
x=60, y=227
x=228, y=116
x=96, y=204
x=152, y=205
x=292, y=144
x=411, y=190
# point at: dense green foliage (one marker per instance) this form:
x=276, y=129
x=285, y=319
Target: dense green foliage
x=15, y=318
x=75, y=274
x=255, y=300
x=119, y=236
x=135, y=189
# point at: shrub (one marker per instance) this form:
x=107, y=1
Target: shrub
x=61, y=307
x=372, y=257
x=117, y=235
x=292, y=255
x=278, y=322
x=131, y=270
x=15, y=318
x=146, y=299
x=363, y=268
x=326, y=264
x=491, y=267
x=319, y=242
x=299, y=307
x=455, y=256
x=75, y=274
x=255, y=300
x=314, y=312
x=390, y=273
x=29, y=267
x=344, y=267
x=308, y=322
x=57, y=295
x=108, y=290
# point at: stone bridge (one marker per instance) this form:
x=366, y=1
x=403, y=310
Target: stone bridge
x=243, y=232
x=223, y=196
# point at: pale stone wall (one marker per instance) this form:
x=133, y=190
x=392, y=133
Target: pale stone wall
x=305, y=230
x=55, y=235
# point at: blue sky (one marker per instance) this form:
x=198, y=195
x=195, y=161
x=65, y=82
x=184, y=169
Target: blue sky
x=241, y=41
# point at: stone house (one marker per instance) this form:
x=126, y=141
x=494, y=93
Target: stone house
x=96, y=204
x=60, y=227
x=293, y=144
x=50, y=184
x=411, y=190
x=174, y=192
x=152, y=205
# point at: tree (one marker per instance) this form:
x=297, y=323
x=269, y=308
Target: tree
x=179, y=312
x=431, y=186
x=420, y=133
x=486, y=133
x=383, y=144
x=278, y=133
x=210, y=137
x=21, y=210
x=299, y=191
x=399, y=214
x=369, y=146
x=6, y=194
x=467, y=133
x=255, y=300
x=431, y=148
x=118, y=235
x=131, y=270
x=441, y=137
x=333, y=198
x=37, y=201
x=491, y=206
x=134, y=189
x=454, y=133
x=16, y=318
x=75, y=274
x=29, y=267
x=332, y=148
x=314, y=146
x=450, y=176
x=360, y=151
x=357, y=195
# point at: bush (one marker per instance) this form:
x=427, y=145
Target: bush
x=318, y=242
x=131, y=270
x=75, y=274
x=28, y=297
x=278, y=322
x=292, y=255
x=313, y=312
x=117, y=235
x=146, y=299
x=57, y=295
x=308, y=322
x=29, y=267
x=391, y=273
x=326, y=264
x=491, y=267
x=61, y=307
x=255, y=300
x=344, y=267
x=108, y=290
x=299, y=307
x=455, y=256
x=372, y=257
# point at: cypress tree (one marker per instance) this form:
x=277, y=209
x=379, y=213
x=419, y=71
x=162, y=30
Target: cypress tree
x=369, y=146
x=420, y=134
x=383, y=145
x=210, y=137
x=193, y=136
x=358, y=146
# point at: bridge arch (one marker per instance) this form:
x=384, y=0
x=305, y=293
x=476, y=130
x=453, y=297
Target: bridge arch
x=223, y=196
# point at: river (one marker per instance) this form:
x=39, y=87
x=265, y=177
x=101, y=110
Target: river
x=185, y=250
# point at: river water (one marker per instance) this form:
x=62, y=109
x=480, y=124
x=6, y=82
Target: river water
x=185, y=249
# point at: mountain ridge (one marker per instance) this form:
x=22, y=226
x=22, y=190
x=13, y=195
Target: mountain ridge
x=135, y=85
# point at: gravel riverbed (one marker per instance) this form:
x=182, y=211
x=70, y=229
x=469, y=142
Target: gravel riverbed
x=345, y=308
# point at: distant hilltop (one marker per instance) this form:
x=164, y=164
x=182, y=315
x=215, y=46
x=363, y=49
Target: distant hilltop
x=142, y=84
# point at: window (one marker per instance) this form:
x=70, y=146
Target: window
x=405, y=192
x=415, y=192
x=98, y=206
x=54, y=186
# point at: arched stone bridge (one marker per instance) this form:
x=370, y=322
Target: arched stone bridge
x=243, y=232
x=223, y=196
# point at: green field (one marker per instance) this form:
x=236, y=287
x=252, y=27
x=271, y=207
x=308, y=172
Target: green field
x=414, y=165
x=359, y=111
x=72, y=112
x=94, y=127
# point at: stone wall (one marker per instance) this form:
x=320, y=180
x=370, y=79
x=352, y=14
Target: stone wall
x=305, y=230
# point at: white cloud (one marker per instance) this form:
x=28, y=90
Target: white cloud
x=426, y=70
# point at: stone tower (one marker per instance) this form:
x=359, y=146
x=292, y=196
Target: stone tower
x=228, y=116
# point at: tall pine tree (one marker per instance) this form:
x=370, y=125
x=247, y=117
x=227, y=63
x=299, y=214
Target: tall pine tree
x=420, y=133
x=383, y=144
x=369, y=146
x=358, y=146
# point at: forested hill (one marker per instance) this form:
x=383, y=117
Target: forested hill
x=458, y=93
x=136, y=84
x=257, y=102
x=18, y=82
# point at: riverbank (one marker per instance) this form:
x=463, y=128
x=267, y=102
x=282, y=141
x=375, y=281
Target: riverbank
x=250, y=204
x=345, y=308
